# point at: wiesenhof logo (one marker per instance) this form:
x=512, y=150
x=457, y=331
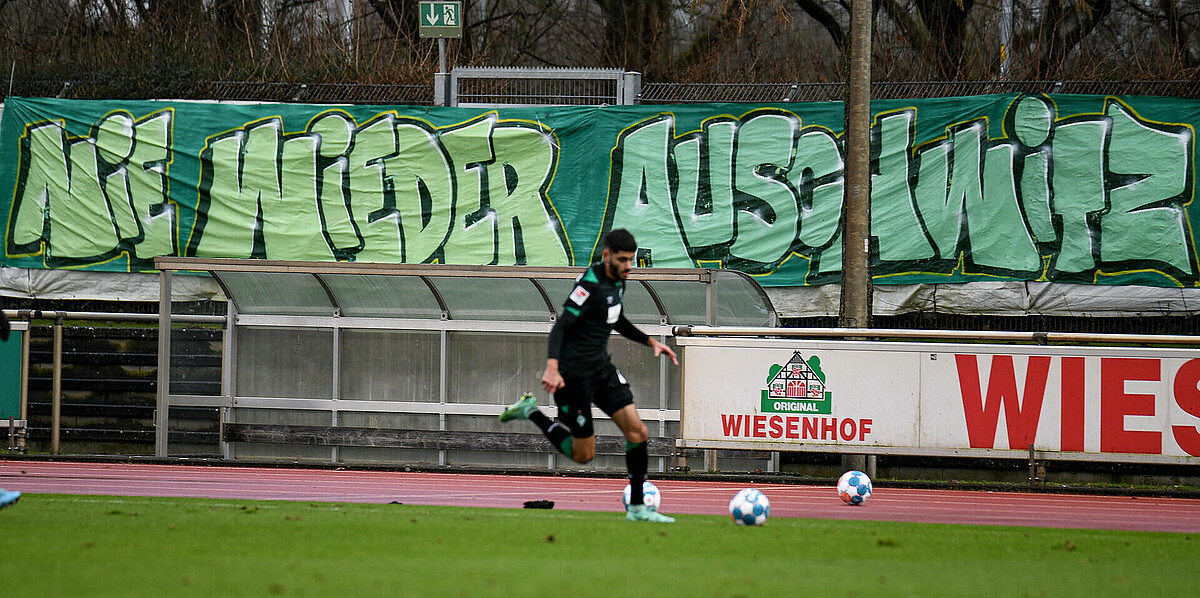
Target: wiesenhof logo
x=797, y=386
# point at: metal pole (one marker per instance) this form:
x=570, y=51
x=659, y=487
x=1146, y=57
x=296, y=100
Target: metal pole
x=443, y=385
x=1006, y=26
x=664, y=373
x=228, y=374
x=335, y=392
x=164, y=363
x=442, y=55
x=34, y=314
x=56, y=388
x=348, y=23
x=442, y=95
x=856, y=213
x=24, y=389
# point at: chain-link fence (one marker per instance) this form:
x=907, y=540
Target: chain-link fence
x=246, y=91
x=687, y=93
x=565, y=91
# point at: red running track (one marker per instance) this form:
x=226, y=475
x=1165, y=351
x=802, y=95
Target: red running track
x=592, y=494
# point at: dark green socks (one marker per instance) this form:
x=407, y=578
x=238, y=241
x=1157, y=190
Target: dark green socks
x=558, y=434
x=637, y=461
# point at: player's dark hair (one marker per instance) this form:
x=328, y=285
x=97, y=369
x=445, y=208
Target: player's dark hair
x=619, y=239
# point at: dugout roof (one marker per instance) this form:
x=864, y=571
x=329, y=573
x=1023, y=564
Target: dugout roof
x=657, y=296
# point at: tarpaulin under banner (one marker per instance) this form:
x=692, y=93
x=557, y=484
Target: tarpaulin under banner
x=998, y=188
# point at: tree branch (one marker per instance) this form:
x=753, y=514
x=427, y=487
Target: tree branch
x=826, y=19
x=1060, y=32
x=720, y=30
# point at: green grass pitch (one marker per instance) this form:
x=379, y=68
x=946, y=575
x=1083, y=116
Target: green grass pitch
x=56, y=545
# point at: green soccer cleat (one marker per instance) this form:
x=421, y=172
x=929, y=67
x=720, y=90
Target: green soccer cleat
x=644, y=513
x=522, y=409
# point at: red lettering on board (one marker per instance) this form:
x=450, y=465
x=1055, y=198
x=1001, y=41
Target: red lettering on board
x=828, y=428
x=847, y=431
x=795, y=427
x=731, y=423
x=1187, y=396
x=983, y=415
x=809, y=428
x=776, y=426
x=1073, y=375
x=1115, y=404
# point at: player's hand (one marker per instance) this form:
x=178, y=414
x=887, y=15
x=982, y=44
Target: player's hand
x=660, y=348
x=551, y=379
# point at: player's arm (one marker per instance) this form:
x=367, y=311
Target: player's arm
x=552, y=380
x=631, y=332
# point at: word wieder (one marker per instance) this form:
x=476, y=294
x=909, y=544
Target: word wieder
x=391, y=189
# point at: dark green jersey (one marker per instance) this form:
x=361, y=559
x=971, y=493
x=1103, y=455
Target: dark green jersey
x=590, y=314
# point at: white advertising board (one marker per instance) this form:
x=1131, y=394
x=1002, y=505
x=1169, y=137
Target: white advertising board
x=1100, y=404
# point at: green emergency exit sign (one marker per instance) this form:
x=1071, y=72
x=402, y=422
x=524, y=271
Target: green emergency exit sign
x=440, y=19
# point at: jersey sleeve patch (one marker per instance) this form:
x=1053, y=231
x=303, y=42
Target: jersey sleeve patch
x=579, y=295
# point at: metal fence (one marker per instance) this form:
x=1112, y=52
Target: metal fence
x=551, y=87
x=526, y=86
x=687, y=93
x=247, y=91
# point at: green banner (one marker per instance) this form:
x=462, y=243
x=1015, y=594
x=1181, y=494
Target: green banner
x=10, y=376
x=1086, y=189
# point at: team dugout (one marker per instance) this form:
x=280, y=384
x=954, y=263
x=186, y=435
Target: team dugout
x=410, y=364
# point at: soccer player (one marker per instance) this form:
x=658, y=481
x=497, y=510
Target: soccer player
x=579, y=371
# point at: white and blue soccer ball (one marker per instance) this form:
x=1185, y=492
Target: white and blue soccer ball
x=750, y=507
x=854, y=487
x=651, y=497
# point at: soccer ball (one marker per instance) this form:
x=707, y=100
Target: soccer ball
x=750, y=507
x=854, y=487
x=651, y=497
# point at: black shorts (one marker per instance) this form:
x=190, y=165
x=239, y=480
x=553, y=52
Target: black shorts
x=607, y=389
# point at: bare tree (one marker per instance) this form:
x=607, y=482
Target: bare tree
x=399, y=17
x=1063, y=25
x=667, y=40
x=633, y=34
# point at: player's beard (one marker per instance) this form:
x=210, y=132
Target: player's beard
x=614, y=270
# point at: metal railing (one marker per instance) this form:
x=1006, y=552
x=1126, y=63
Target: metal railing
x=687, y=93
x=541, y=86
x=564, y=86
x=1040, y=338
x=58, y=317
x=249, y=91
